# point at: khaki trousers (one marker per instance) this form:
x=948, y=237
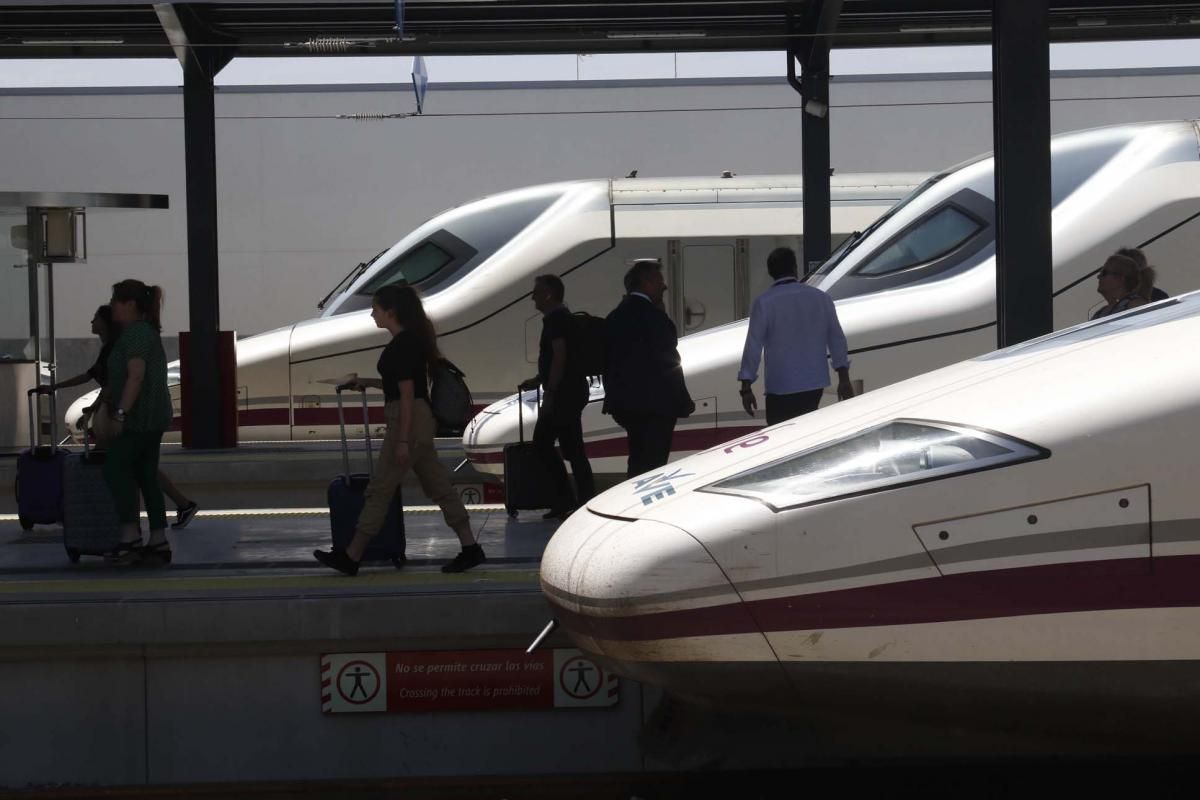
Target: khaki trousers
x=434, y=478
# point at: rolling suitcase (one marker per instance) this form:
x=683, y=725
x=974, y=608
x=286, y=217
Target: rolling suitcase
x=39, y=482
x=528, y=483
x=346, y=501
x=89, y=514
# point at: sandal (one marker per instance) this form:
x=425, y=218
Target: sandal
x=124, y=552
x=155, y=553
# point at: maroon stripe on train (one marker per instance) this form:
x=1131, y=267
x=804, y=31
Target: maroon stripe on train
x=304, y=416
x=684, y=441
x=1024, y=591
x=329, y=416
x=723, y=620
x=263, y=416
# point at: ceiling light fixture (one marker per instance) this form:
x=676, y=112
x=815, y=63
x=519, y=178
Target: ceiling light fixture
x=657, y=35
x=944, y=28
x=69, y=42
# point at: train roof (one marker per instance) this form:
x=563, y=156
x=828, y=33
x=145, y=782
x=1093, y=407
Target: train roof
x=758, y=188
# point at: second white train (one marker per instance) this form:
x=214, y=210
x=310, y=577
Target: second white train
x=916, y=290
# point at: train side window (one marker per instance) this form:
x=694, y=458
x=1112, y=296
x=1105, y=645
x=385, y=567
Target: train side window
x=940, y=233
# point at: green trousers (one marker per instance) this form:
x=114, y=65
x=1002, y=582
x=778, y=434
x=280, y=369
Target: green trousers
x=131, y=463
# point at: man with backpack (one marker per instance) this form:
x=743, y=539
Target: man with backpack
x=562, y=376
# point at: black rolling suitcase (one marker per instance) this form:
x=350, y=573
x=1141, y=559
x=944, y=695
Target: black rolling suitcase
x=89, y=513
x=528, y=483
x=346, y=501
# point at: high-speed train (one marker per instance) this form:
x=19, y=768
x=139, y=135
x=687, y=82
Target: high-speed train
x=474, y=265
x=916, y=290
x=1008, y=547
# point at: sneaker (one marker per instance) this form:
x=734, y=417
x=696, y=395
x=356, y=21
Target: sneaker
x=469, y=557
x=337, y=559
x=184, y=515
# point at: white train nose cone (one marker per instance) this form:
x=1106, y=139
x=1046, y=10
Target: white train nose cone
x=74, y=413
x=497, y=425
x=646, y=596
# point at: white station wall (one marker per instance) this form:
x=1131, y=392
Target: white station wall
x=304, y=196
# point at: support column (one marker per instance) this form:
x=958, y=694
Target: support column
x=204, y=297
x=1021, y=135
x=202, y=52
x=814, y=134
x=813, y=38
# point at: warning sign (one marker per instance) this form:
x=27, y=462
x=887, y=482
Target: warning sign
x=464, y=680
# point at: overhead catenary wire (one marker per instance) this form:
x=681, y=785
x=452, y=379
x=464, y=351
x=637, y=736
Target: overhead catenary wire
x=586, y=112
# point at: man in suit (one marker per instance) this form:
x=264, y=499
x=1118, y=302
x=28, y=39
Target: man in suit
x=644, y=390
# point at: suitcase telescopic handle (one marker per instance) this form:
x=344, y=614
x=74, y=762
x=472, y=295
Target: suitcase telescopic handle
x=33, y=426
x=342, y=430
x=521, y=410
x=35, y=432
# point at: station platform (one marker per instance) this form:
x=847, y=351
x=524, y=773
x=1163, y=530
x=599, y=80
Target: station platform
x=212, y=669
x=286, y=474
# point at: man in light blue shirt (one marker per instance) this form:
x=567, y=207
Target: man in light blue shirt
x=797, y=325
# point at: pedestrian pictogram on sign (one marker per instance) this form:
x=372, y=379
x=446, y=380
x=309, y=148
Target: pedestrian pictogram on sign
x=581, y=682
x=358, y=682
x=579, y=678
x=353, y=682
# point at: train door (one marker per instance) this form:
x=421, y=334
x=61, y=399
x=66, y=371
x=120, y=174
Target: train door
x=709, y=283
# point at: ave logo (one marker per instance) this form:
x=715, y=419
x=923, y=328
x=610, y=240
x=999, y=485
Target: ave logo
x=658, y=486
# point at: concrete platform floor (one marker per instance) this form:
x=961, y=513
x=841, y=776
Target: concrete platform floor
x=239, y=551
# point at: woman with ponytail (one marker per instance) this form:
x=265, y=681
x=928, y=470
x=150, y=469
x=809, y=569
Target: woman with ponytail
x=404, y=378
x=140, y=410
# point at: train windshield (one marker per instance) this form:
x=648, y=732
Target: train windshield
x=946, y=226
x=450, y=245
x=853, y=241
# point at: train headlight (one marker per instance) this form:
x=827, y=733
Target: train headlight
x=896, y=453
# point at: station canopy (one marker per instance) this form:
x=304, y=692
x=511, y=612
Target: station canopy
x=125, y=29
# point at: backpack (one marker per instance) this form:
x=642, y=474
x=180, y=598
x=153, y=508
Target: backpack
x=589, y=343
x=449, y=396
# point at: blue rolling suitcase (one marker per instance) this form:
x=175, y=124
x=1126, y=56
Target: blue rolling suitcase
x=346, y=501
x=39, y=483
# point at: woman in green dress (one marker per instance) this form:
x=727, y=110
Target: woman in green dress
x=140, y=410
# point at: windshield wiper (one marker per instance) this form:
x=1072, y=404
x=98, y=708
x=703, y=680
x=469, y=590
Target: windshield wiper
x=834, y=257
x=350, y=276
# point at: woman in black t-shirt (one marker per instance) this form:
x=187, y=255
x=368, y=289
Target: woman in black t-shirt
x=404, y=378
x=103, y=327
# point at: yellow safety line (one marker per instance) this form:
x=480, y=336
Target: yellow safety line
x=236, y=513
x=382, y=578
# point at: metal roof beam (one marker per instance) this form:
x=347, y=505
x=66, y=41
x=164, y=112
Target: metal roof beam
x=197, y=44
